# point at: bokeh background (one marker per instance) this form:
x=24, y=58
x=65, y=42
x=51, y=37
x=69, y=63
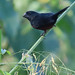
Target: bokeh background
x=17, y=33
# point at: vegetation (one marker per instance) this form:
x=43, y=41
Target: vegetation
x=53, y=55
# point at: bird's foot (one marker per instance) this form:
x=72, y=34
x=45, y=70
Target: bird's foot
x=43, y=34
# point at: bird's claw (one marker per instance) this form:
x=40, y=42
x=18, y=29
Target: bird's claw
x=43, y=34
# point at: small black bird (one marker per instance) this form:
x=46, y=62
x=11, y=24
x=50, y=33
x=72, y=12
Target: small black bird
x=42, y=21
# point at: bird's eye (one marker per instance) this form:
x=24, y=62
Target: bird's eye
x=28, y=13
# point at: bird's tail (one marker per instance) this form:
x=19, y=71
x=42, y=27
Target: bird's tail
x=60, y=12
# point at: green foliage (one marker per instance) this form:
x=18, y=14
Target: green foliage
x=4, y=73
x=17, y=33
x=1, y=72
x=0, y=44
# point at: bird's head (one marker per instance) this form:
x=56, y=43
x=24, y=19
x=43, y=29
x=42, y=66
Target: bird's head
x=30, y=15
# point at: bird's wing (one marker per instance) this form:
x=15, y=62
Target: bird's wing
x=43, y=20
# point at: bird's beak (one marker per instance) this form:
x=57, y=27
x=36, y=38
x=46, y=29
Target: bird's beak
x=24, y=15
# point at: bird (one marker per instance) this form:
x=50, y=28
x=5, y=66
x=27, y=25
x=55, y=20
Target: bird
x=43, y=21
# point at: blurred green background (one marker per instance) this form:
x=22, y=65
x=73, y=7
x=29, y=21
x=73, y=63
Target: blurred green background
x=18, y=34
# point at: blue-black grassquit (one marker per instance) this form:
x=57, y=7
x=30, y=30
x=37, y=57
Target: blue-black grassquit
x=42, y=21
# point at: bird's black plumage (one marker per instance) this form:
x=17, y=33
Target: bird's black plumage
x=42, y=21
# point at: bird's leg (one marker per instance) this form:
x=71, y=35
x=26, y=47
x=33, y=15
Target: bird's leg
x=43, y=34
